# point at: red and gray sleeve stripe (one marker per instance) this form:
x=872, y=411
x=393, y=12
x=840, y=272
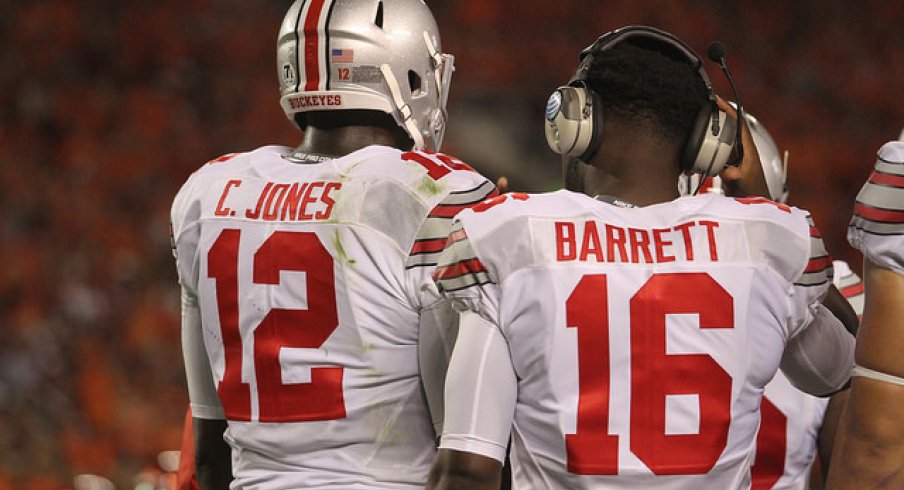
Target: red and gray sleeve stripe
x=819, y=268
x=313, y=45
x=431, y=238
x=879, y=209
x=460, y=200
x=460, y=268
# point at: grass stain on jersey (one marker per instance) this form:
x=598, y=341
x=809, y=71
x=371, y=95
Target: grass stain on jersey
x=386, y=417
x=340, y=249
x=430, y=186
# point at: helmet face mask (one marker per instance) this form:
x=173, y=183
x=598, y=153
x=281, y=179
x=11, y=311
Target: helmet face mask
x=381, y=55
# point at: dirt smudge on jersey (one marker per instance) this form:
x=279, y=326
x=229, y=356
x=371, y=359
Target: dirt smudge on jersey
x=340, y=249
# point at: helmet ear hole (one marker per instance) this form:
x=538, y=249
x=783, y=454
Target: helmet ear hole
x=378, y=20
x=414, y=82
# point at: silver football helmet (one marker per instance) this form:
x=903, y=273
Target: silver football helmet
x=381, y=55
x=775, y=167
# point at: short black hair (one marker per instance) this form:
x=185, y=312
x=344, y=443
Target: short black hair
x=649, y=85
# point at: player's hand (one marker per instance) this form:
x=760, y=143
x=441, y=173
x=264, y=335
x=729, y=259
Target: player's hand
x=502, y=185
x=746, y=179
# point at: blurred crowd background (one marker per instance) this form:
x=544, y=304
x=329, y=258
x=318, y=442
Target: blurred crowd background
x=106, y=106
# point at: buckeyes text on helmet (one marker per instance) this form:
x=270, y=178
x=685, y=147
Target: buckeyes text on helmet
x=381, y=55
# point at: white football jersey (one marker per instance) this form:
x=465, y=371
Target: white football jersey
x=787, y=437
x=877, y=227
x=790, y=419
x=641, y=338
x=308, y=279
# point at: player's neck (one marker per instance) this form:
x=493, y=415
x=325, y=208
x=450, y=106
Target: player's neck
x=634, y=170
x=343, y=140
x=640, y=192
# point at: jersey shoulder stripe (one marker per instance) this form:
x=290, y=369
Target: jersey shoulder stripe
x=458, y=201
x=431, y=238
x=887, y=179
x=819, y=269
x=459, y=266
x=879, y=208
x=877, y=226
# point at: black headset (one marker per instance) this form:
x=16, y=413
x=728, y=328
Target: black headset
x=574, y=115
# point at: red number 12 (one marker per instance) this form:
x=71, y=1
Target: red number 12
x=321, y=398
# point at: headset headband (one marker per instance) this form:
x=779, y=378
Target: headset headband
x=644, y=33
x=574, y=112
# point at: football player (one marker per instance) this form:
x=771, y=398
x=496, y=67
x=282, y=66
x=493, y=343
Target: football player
x=621, y=335
x=792, y=430
x=795, y=426
x=307, y=302
x=870, y=447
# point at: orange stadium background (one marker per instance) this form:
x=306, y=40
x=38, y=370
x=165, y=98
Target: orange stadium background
x=106, y=106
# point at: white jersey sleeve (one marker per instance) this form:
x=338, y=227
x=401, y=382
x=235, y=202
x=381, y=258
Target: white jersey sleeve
x=818, y=361
x=463, y=278
x=438, y=321
x=813, y=283
x=431, y=237
x=201, y=387
x=481, y=361
x=480, y=422
x=877, y=227
x=819, y=355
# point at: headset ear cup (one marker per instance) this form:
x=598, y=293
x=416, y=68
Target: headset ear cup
x=558, y=130
x=714, y=150
x=695, y=139
x=569, y=120
x=595, y=129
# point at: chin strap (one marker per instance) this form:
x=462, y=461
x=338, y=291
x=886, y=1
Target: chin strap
x=403, y=108
x=437, y=60
x=443, y=66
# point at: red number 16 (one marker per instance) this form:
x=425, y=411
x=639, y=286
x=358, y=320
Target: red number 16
x=654, y=375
